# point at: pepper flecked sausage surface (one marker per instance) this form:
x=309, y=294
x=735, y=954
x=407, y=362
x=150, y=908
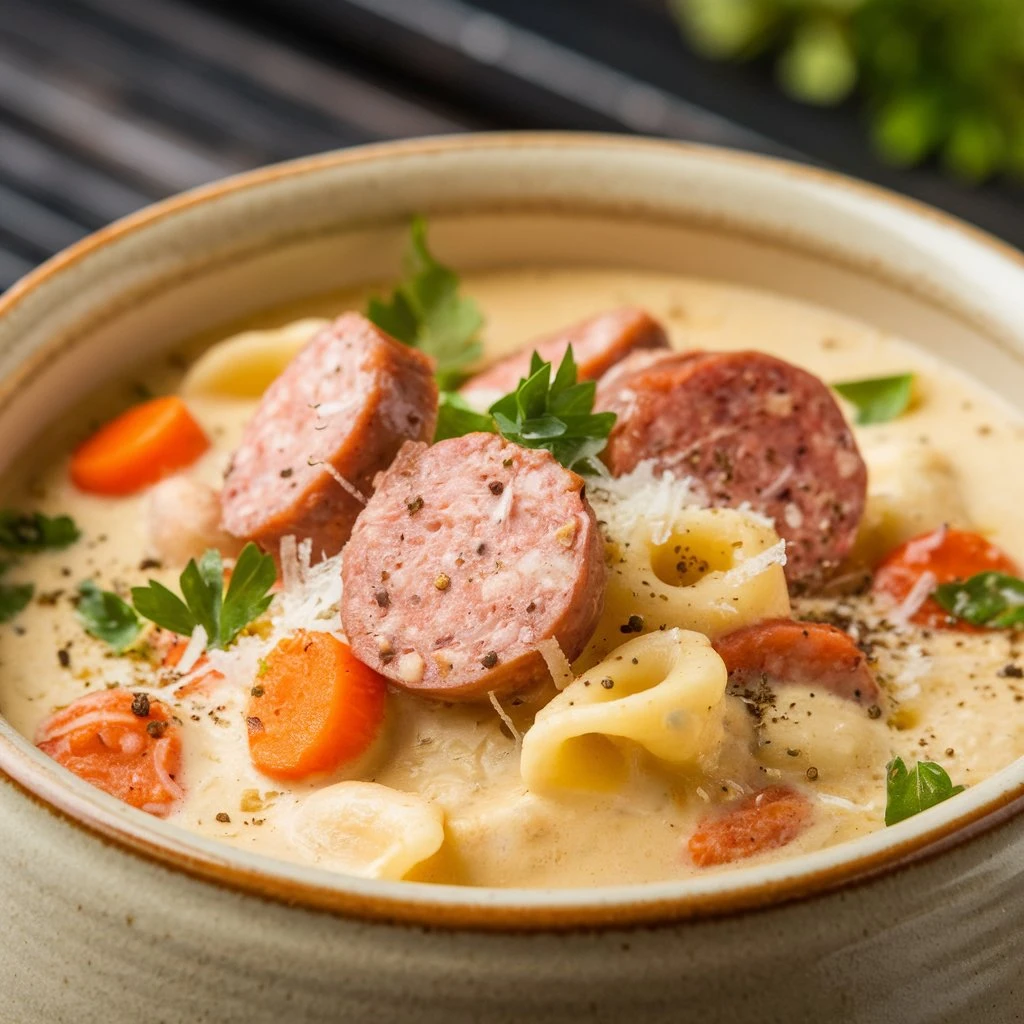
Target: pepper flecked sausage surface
x=810, y=654
x=470, y=553
x=342, y=407
x=598, y=343
x=751, y=429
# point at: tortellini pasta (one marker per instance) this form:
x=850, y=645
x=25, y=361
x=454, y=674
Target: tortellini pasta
x=244, y=365
x=661, y=693
x=912, y=489
x=714, y=571
x=363, y=828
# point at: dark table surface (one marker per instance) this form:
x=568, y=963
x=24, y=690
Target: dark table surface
x=106, y=105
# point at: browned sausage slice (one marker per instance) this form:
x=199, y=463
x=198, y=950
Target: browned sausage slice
x=751, y=429
x=808, y=654
x=597, y=345
x=469, y=554
x=751, y=826
x=342, y=407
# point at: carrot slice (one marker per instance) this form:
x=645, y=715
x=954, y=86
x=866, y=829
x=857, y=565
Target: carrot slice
x=314, y=708
x=942, y=556
x=138, y=448
x=764, y=821
x=123, y=743
x=810, y=654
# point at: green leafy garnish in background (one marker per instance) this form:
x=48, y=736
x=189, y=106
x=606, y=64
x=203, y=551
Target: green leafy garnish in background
x=427, y=312
x=939, y=77
x=910, y=792
x=880, y=399
x=28, y=532
x=993, y=599
x=556, y=415
x=223, y=615
x=107, y=617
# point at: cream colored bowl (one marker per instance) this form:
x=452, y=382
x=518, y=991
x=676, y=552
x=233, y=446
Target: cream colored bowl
x=113, y=916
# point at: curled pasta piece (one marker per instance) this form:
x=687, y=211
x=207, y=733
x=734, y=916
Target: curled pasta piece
x=366, y=829
x=911, y=489
x=244, y=365
x=662, y=693
x=713, y=571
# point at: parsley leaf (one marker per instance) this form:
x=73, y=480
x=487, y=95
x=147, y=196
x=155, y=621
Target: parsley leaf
x=105, y=616
x=222, y=615
x=992, y=599
x=13, y=598
x=455, y=417
x=427, y=312
x=247, y=597
x=878, y=399
x=541, y=413
x=25, y=532
x=910, y=792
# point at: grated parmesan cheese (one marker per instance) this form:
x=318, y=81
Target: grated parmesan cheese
x=919, y=593
x=504, y=716
x=345, y=485
x=746, y=570
x=622, y=503
x=556, y=661
x=193, y=650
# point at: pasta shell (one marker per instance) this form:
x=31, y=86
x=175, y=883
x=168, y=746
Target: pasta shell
x=244, y=365
x=661, y=692
x=366, y=829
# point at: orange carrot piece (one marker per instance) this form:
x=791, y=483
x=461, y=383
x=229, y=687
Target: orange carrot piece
x=123, y=743
x=804, y=653
x=314, y=708
x=948, y=555
x=138, y=448
x=764, y=821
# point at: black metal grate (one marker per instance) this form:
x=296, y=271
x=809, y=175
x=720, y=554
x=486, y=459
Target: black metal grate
x=106, y=105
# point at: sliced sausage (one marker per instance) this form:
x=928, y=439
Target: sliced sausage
x=809, y=654
x=469, y=554
x=752, y=429
x=341, y=409
x=597, y=345
x=757, y=823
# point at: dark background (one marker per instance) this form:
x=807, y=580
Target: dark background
x=106, y=105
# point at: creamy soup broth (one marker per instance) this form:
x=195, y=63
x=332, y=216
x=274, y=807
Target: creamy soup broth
x=949, y=697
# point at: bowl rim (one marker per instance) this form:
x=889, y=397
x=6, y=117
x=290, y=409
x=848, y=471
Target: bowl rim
x=479, y=908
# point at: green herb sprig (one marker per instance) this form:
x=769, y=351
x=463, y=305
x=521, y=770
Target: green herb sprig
x=878, y=399
x=104, y=615
x=14, y=597
x=556, y=415
x=993, y=599
x=908, y=792
x=427, y=312
x=204, y=601
x=26, y=533
x=943, y=78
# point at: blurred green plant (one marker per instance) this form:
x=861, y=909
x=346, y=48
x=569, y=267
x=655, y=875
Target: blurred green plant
x=942, y=77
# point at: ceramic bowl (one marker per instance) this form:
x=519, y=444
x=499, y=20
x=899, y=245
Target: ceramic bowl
x=113, y=916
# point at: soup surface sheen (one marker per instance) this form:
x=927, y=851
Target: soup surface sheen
x=950, y=697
